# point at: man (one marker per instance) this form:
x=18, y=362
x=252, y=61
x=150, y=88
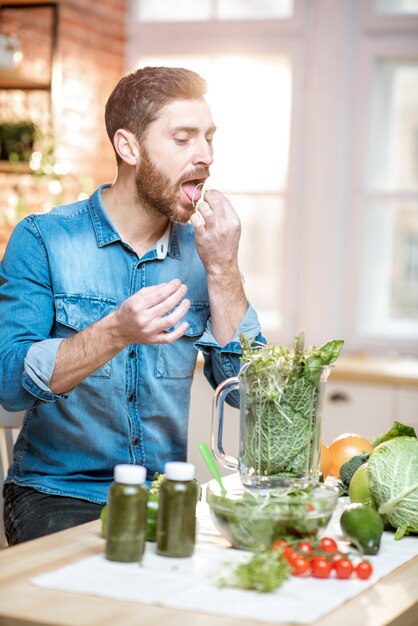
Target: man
x=104, y=302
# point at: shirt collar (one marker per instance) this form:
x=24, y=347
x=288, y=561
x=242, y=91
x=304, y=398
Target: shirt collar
x=162, y=244
x=107, y=233
x=103, y=226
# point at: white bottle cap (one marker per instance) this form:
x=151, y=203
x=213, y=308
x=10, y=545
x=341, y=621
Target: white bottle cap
x=176, y=470
x=130, y=474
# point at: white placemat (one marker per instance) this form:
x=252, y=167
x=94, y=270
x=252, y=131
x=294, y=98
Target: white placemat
x=191, y=583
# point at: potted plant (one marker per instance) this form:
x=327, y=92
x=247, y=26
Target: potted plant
x=17, y=140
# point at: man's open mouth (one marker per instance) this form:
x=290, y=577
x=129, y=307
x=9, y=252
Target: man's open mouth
x=192, y=189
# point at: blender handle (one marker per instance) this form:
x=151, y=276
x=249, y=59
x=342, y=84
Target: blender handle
x=228, y=385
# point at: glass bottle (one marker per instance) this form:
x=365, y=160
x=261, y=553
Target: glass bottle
x=176, y=526
x=127, y=516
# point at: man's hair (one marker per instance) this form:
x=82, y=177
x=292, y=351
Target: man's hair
x=139, y=96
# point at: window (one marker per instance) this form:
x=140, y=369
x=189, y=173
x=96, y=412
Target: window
x=393, y=131
x=190, y=10
x=326, y=179
x=396, y=7
x=387, y=307
x=251, y=160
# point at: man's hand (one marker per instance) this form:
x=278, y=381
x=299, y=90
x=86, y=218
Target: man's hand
x=145, y=316
x=217, y=233
x=142, y=318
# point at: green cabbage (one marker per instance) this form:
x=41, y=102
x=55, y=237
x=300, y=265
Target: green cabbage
x=392, y=472
x=281, y=417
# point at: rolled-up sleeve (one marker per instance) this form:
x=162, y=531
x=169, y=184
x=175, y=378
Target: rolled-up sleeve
x=221, y=362
x=27, y=353
x=38, y=369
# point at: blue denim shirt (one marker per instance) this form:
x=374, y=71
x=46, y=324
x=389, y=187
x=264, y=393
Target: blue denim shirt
x=63, y=271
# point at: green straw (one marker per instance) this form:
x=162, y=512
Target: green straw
x=211, y=463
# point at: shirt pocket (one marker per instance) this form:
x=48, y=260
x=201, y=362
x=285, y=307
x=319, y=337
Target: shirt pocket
x=75, y=312
x=178, y=359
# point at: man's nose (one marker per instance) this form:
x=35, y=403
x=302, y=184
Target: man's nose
x=203, y=154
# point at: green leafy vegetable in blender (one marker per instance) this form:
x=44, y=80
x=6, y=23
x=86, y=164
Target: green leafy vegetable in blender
x=281, y=430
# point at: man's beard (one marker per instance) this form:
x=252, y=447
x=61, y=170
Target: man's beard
x=156, y=193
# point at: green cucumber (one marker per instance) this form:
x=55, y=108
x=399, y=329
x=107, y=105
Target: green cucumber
x=363, y=527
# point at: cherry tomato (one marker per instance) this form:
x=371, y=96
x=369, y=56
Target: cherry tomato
x=343, y=568
x=321, y=568
x=335, y=558
x=300, y=566
x=280, y=543
x=364, y=570
x=327, y=544
x=305, y=547
x=290, y=555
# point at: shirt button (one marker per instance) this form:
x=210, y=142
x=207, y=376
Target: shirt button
x=132, y=354
x=131, y=397
x=135, y=441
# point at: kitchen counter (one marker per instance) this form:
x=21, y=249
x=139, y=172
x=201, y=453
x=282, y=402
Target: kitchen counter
x=402, y=371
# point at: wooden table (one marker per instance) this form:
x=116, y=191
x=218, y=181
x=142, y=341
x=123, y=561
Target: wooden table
x=392, y=600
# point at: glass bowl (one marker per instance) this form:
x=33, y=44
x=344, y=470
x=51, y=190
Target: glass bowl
x=254, y=520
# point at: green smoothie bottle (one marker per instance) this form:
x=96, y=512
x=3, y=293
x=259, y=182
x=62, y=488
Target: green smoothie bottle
x=176, y=525
x=127, y=516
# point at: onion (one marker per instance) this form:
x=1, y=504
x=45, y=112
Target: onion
x=344, y=447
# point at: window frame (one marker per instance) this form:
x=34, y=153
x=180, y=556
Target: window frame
x=261, y=37
x=211, y=35
x=324, y=196
x=370, y=49
x=374, y=22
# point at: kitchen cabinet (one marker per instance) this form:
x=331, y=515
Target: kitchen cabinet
x=366, y=395
x=367, y=409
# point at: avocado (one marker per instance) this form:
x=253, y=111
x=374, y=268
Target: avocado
x=363, y=527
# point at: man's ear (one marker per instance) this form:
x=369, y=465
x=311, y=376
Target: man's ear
x=126, y=146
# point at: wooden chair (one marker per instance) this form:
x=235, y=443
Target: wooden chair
x=10, y=424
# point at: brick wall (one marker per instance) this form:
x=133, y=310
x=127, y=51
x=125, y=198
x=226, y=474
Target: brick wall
x=90, y=60
x=92, y=54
